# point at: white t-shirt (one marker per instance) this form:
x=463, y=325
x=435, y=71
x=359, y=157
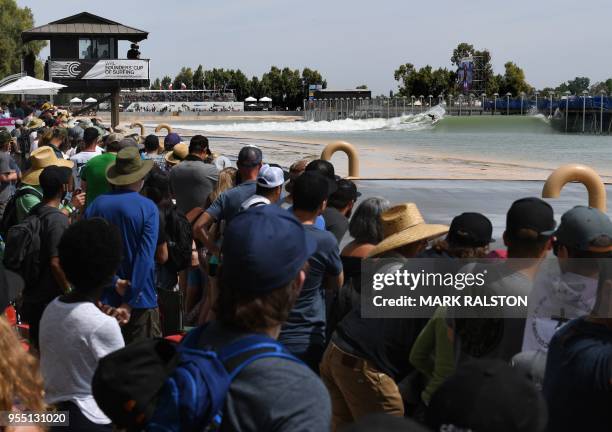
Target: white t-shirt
x=80, y=160
x=73, y=338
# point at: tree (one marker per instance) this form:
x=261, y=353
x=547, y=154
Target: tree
x=605, y=86
x=513, y=80
x=575, y=86
x=424, y=81
x=13, y=21
x=463, y=50
x=185, y=76
x=156, y=84
x=362, y=87
x=311, y=76
x=484, y=62
x=198, y=78
x=165, y=82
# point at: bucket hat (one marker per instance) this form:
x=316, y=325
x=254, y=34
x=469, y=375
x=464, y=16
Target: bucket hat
x=128, y=167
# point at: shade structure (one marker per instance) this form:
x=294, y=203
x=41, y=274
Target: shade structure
x=250, y=99
x=76, y=100
x=90, y=100
x=28, y=85
x=252, y=105
x=265, y=99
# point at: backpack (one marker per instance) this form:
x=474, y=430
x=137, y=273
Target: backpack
x=180, y=240
x=9, y=218
x=158, y=386
x=22, y=248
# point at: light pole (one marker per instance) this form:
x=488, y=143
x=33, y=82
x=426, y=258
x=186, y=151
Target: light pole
x=484, y=95
x=412, y=103
x=450, y=101
x=552, y=95
x=495, y=102
x=430, y=98
x=508, y=103
x=603, y=92
x=460, y=99
x=440, y=98
x=584, y=96
x=522, y=98
x=421, y=100
x=567, y=95
x=537, y=93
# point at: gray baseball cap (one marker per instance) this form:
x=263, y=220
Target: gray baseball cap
x=586, y=229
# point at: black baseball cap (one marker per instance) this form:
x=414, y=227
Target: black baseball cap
x=470, y=230
x=249, y=157
x=53, y=177
x=585, y=229
x=346, y=191
x=530, y=213
x=488, y=395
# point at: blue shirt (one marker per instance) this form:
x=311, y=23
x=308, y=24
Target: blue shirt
x=306, y=323
x=577, y=384
x=137, y=218
x=227, y=205
x=319, y=221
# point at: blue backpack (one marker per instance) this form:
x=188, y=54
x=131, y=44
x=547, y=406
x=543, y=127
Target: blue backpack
x=193, y=397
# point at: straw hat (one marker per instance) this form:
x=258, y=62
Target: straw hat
x=128, y=167
x=40, y=159
x=35, y=123
x=402, y=225
x=178, y=153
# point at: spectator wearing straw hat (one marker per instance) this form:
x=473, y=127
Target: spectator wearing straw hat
x=178, y=153
x=8, y=175
x=137, y=218
x=368, y=357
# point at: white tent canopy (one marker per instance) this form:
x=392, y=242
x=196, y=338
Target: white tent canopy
x=265, y=99
x=31, y=86
x=90, y=100
x=250, y=99
x=76, y=100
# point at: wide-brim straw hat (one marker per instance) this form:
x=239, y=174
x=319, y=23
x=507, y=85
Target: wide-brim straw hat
x=35, y=123
x=128, y=168
x=40, y=159
x=402, y=225
x=178, y=153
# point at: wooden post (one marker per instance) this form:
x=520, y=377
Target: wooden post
x=115, y=107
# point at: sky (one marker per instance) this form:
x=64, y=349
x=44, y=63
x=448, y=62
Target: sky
x=360, y=42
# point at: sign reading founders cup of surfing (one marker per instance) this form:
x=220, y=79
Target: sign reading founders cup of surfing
x=100, y=69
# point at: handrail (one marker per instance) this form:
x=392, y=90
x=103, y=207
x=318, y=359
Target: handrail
x=138, y=125
x=163, y=126
x=577, y=173
x=349, y=150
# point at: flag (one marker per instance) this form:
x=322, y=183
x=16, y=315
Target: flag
x=183, y=86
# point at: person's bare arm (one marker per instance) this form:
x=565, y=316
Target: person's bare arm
x=161, y=253
x=334, y=283
x=58, y=274
x=200, y=232
x=9, y=177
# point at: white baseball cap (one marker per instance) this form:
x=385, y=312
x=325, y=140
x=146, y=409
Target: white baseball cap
x=270, y=177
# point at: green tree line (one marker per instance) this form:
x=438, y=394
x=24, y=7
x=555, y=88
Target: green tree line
x=286, y=86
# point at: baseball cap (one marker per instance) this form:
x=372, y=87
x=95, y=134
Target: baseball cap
x=4, y=137
x=113, y=137
x=346, y=191
x=53, y=177
x=530, y=213
x=249, y=156
x=171, y=140
x=126, y=142
x=471, y=230
x=270, y=177
x=586, y=229
x=250, y=263
x=487, y=395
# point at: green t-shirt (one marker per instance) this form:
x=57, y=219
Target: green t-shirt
x=94, y=173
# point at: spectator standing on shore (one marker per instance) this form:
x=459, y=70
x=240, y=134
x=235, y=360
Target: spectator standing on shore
x=339, y=208
x=75, y=333
x=193, y=179
x=368, y=357
x=91, y=138
x=56, y=138
x=8, y=175
x=51, y=280
x=269, y=186
x=137, y=218
x=259, y=285
x=170, y=141
x=227, y=205
x=93, y=174
x=152, y=151
x=304, y=332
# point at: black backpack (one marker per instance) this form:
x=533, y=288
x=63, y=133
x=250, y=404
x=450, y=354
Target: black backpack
x=180, y=240
x=22, y=249
x=9, y=219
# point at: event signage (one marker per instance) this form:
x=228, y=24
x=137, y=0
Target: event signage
x=99, y=69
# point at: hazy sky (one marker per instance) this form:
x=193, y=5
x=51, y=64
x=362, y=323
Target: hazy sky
x=360, y=42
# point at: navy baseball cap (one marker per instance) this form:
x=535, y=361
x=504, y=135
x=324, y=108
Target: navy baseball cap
x=171, y=140
x=264, y=248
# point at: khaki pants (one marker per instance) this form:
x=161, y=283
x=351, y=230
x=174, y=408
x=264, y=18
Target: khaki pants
x=356, y=388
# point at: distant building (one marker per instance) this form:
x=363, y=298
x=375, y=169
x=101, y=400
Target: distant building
x=342, y=94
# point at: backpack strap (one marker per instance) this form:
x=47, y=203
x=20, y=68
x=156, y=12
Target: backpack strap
x=27, y=190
